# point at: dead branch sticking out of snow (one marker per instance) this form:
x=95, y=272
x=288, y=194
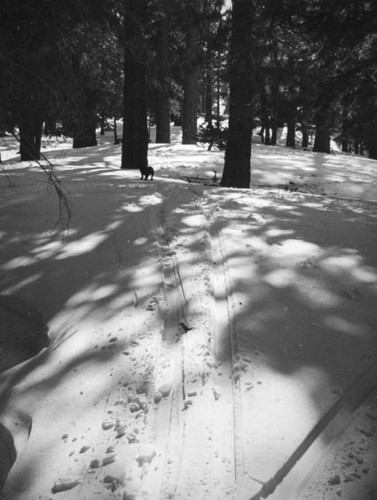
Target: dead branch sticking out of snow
x=203, y=180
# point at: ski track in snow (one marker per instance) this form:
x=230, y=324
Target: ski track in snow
x=176, y=419
x=189, y=462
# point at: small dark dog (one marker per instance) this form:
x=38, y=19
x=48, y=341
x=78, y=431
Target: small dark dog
x=146, y=172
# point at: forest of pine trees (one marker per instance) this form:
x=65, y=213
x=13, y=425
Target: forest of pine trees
x=310, y=65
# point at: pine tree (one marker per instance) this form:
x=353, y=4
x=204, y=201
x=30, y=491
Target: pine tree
x=135, y=125
x=162, y=93
x=191, y=72
x=238, y=150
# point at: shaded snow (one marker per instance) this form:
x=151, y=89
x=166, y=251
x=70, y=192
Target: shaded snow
x=278, y=284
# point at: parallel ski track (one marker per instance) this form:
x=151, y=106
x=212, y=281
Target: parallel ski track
x=226, y=332
x=334, y=422
x=200, y=444
x=169, y=425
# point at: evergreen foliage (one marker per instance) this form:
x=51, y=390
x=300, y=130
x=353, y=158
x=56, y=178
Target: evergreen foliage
x=308, y=65
x=213, y=136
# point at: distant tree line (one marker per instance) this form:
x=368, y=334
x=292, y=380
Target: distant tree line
x=310, y=65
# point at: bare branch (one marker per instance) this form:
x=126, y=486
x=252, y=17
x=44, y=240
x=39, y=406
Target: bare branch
x=64, y=204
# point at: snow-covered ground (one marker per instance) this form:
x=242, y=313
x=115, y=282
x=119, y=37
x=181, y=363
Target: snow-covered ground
x=277, y=285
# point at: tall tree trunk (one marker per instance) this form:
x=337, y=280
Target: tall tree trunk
x=38, y=127
x=218, y=90
x=30, y=127
x=274, y=126
x=261, y=133
x=135, y=126
x=208, y=98
x=2, y=123
x=305, y=135
x=115, y=131
x=322, y=132
x=238, y=151
x=371, y=145
x=85, y=128
x=291, y=129
x=27, y=139
x=322, y=139
x=102, y=123
x=49, y=126
x=191, y=84
x=163, y=104
x=274, y=132
x=265, y=120
x=274, y=112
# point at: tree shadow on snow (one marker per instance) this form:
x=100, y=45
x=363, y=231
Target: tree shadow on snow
x=301, y=271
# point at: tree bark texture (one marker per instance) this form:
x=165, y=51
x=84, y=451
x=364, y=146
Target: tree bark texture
x=238, y=151
x=322, y=136
x=274, y=121
x=135, y=125
x=208, y=97
x=28, y=116
x=291, y=128
x=85, y=128
x=322, y=121
x=163, y=104
x=191, y=79
x=305, y=135
x=30, y=128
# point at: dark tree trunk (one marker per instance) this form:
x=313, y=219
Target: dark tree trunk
x=2, y=125
x=265, y=119
x=86, y=134
x=372, y=151
x=115, y=132
x=30, y=127
x=305, y=135
x=322, y=140
x=50, y=126
x=261, y=133
x=135, y=126
x=322, y=132
x=85, y=128
x=102, y=124
x=163, y=104
x=38, y=136
x=208, y=98
x=291, y=130
x=345, y=145
x=27, y=140
x=177, y=121
x=191, y=79
x=274, y=131
x=274, y=112
x=218, y=92
x=238, y=151
x=370, y=143
x=356, y=147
